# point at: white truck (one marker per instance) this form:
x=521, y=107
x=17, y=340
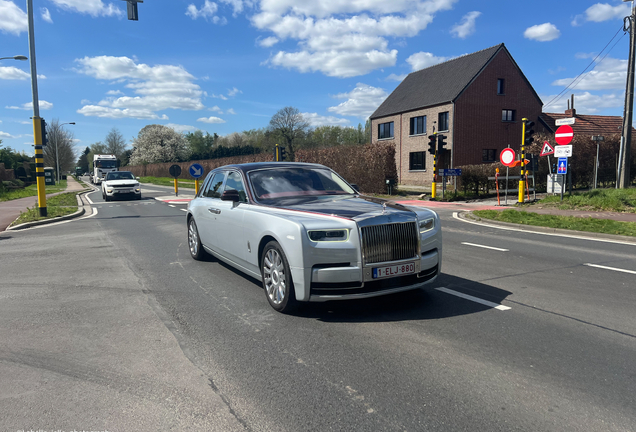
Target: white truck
x=102, y=165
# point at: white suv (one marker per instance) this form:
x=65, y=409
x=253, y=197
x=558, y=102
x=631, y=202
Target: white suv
x=120, y=184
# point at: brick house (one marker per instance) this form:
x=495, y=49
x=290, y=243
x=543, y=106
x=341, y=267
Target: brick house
x=477, y=101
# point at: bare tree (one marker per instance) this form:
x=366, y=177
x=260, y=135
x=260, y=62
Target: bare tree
x=291, y=125
x=115, y=143
x=59, y=148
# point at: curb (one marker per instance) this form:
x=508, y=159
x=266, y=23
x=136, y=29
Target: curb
x=467, y=215
x=81, y=210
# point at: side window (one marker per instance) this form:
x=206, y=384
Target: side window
x=204, y=185
x=234, y=181
x=214, y=187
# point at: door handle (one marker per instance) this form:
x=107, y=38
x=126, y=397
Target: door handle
x=214, y=211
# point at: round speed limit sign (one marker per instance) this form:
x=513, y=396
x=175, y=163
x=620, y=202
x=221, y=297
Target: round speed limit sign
x=507, y=156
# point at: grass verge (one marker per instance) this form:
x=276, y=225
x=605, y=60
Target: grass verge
x=167, y=181
x=603, y=226
x=59, y=205
x=30, y=191
x=618, y=200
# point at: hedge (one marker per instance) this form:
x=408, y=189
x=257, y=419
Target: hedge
x=368, y=166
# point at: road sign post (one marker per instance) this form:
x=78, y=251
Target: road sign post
x=196, y=171
x=175, y=171
x=597, y=138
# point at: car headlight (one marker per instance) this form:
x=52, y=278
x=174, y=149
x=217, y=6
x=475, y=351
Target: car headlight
x=427, y=224
x=328, y=235
x=109, y=190
x=137, y=189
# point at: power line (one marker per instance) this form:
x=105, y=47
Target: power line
x=580, y=76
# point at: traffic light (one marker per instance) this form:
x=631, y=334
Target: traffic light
x=283, y=153
x=554, y=168
x=431, y=144
x=527, y=139
x=43, y=129
x=441, y=143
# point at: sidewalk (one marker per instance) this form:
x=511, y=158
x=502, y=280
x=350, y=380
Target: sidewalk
x=10, y=210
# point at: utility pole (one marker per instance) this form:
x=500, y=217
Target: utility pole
x=623, y=177
x=37, y=123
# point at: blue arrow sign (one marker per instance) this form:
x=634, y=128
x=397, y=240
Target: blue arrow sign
x=562, y=167
x=196, y=170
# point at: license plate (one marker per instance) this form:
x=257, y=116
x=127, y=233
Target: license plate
x=395, y=270
x=124, y=191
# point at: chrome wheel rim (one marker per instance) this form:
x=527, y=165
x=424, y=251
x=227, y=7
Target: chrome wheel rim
x=193, y=239
x=274, y=276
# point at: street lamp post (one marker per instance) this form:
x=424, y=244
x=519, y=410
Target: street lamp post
x=57, y=158
x=18, y=57
x=597, y=138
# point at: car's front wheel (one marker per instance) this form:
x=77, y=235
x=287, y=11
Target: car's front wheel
x=196, y=250
x=277, y=280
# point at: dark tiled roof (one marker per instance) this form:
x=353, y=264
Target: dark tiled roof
x=587, y=124
x=437, y=84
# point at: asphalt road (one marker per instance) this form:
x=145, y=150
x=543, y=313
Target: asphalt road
x=169, y=342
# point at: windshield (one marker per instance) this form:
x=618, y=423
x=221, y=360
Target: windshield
x=106, y=164
x=120, y=175
x=297, y=182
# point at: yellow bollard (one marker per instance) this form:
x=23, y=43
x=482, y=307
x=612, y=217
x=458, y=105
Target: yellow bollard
x=196, y=186
x=433, y=190
x=176, y=188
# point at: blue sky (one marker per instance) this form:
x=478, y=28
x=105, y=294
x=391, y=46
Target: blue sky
x=228, y=65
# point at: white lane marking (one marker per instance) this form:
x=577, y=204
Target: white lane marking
x=89, y=198
x=170, y=205
x=183, y=210
x=90, y=215
x=485, y=247
x=456, y=216
x=475, y=299
x=611, y=268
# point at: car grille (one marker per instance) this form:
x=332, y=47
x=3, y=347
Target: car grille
x=390, y=242
x=125, y=185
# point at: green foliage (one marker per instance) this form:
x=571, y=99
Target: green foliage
x=604, y=226
x=221, y=152
x=200, y=145
x=617, y=200
x=11, y=158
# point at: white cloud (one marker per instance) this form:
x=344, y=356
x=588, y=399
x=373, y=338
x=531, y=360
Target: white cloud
x=466, y=26
x=422, y=60
x=233, y=92
x=268, y=41
x=12, y=18
x=44, y=105
x=13, y=73
x=93, y=8
x=239, y=5
x=157, y=88
x=395, y=77
x=611, y=73
x=343, y=38
x=231, y=111
x=208, y=12
x=211, y=120
x=216, y=109
x=585, y=103
x=181, y=128
x=542, y=32
x=361, y=101
x=113, y=93
x=315, y=120
x=46, y=15
x=220, y=96
x=7, y=135
x=603, y=12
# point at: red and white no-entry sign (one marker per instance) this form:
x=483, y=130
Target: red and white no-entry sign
x=564, y=135
x=507, y=156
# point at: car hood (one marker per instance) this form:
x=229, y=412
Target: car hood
x=357, y=208
x=127, y=182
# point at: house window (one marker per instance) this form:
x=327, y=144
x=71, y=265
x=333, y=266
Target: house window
x=385, y=130
x=488, y=155
x=442, y=121
x=417, y=161
x=418, y=125
x=507, y=115
x=500, y=86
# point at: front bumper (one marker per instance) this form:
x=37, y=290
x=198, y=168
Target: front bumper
x=122, y=193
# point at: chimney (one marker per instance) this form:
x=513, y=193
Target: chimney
x=571, y=112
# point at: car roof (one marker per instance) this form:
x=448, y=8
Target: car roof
x=247, y=167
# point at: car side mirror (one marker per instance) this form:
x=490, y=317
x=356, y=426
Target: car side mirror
x=230, y=195
x=137, y=178
x=355, y=187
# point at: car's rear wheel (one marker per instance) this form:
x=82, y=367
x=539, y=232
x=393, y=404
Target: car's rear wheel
x=196, y=250
x=277, y=280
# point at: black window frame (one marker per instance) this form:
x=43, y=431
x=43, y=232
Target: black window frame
x=501, y=86
x=417, y=125
x=442, y=120
x=488, y=155
x=382, y=130
x=417, y=165
x=508, y=115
